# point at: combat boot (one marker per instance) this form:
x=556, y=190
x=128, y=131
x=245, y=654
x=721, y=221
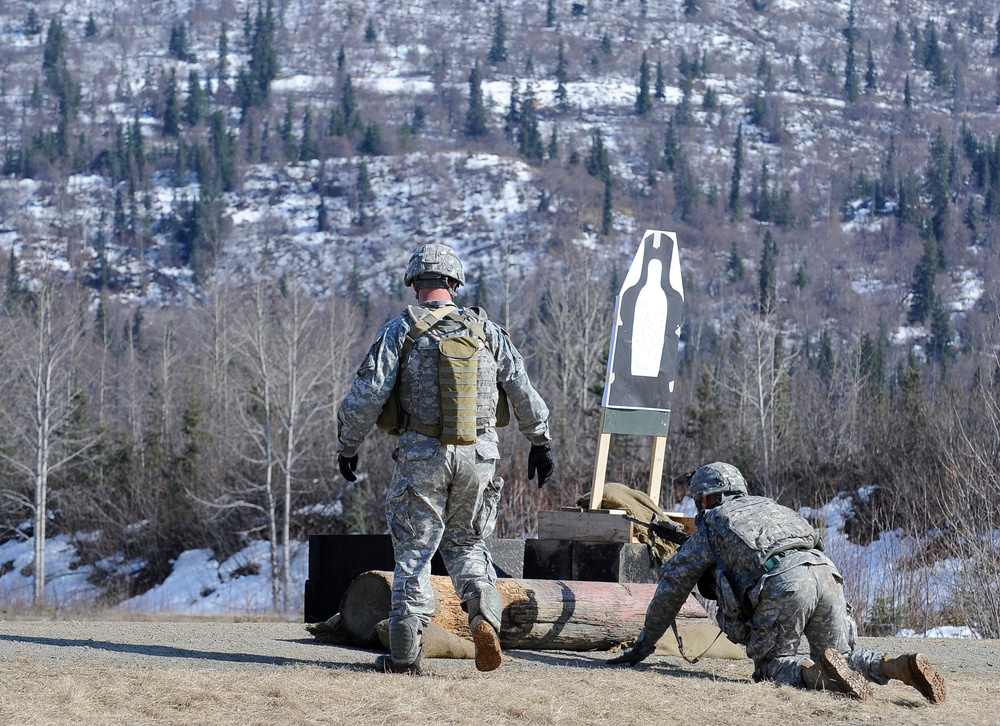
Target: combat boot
x=404, y=647
x=833, y=674
x=916, y=670
x=484, y=622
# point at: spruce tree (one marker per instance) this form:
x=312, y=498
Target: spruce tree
x=550, y=13
x=660, y=84
x=222, y=66
x=851, y=86
x=552, y=151
x=562, y=97
x=643, y=101
x=171, y=108
x=529, y=137
x=90, y=29
x=871, y=79
x=691, y=8
x=512, y=120
x=475, y=118
x=598, y=163
x=308, y=149
x=735, y=204
x=922, y=287
x=364, y=192
x=670, y=147
x=371, y=35
x=194, y=104
x=941, y=345
x=734, y=266
x=498, y=49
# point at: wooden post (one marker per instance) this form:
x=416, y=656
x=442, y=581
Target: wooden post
x=656, y=467
x=600, y=471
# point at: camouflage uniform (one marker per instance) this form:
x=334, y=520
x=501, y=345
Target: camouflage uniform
x=768, y=606
x=441, y=496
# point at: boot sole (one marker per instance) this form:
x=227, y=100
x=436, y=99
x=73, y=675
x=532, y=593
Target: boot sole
x=926, y=678
x=850, y=681
x=385, y=664
x=488, y=655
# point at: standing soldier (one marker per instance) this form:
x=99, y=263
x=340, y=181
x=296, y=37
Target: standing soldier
x=441, y=377
x=774, y=585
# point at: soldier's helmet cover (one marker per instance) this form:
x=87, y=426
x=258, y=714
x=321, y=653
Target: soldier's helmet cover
x=716, y=478
x=434, y=260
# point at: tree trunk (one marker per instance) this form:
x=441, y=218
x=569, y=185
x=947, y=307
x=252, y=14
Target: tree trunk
x=537, y=614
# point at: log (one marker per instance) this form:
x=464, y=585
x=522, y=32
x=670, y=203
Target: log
x=537, y=614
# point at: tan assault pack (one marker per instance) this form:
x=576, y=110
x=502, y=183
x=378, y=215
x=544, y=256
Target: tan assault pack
x=458, y=370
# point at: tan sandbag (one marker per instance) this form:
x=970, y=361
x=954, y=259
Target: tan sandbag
x=436, y=641
x=331, y=631
x=639, y=505
x=702, y=639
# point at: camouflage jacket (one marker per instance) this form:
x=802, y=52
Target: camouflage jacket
x=380, y=368
x=721, y=539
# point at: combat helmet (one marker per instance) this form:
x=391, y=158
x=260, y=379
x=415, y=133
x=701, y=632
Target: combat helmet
x=434, y=260
x=717, y=478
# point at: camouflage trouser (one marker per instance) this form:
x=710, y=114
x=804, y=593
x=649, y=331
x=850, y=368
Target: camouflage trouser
x=441, y=497
x=805, y=600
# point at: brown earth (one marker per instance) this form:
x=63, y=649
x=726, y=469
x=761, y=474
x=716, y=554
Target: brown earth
x=113, y=672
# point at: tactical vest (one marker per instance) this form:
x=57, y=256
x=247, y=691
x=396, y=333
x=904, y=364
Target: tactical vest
x=748, y=535
x=446, y=385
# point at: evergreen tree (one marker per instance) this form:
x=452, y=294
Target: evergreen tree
x=922, y=287
x=32, y=24
x=222, y=143
x=308, y=150
x=371, y=143
x=475, y=118
x=371, y=35
x=933, y=56
x=851, y=86
x=550, y=13
x=529, y=137
x=178, y=45
x=735, y=204
x=871, y=366
x=734, y=267
x=253, y=83
x=512, y=120
x=349, y=104
x=937, y=183
x=768, y=281
x=691, y=7
x=606, y=43
x=763, y=200
x=996, y=46
x=941, y=345
x=482, y=297
x=196, y=101
x=498, y=49
x=322, y=216
x=598, y=163
x=171, y=108
x=643, y=101
x=907, y=94
x=90, y=30
x=562, y=97
x=660, y=84
x=552, y=152
x=871, y=81
x=222, y=66
x=686, y=192
x=670, y=147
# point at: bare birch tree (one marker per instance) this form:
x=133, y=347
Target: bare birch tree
x=45, y=388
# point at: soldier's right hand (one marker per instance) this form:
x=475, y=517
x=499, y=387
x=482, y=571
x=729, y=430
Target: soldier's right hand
x=630, y=657
x=348, y=465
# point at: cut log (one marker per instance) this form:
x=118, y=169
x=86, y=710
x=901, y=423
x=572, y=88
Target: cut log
x=537, y=614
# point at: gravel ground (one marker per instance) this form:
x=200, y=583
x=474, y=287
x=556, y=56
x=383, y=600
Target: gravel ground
x=256, y=645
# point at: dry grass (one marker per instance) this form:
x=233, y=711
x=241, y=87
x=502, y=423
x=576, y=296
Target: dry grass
x=532, y=688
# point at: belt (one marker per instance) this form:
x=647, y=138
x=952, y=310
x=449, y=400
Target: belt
x=434, y=430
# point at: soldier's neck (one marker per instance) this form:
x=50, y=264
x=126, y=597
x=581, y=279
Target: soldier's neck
x=433, y=294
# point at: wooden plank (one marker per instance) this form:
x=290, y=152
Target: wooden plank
x=584, y=525
x=656, y=467
x=682, y=519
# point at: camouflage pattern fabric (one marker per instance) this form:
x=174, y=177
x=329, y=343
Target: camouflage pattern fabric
x=802, y=594
x=440, y=496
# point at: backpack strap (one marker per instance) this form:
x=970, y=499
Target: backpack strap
x=422, y=325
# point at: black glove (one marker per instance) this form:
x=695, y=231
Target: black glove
x=540, y=459
x=348, y=465
x=631, y=657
